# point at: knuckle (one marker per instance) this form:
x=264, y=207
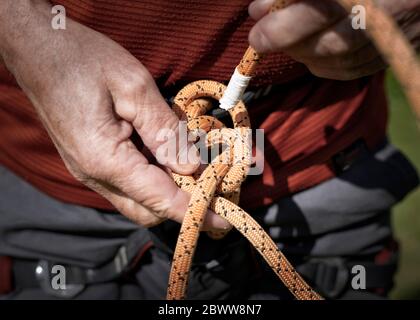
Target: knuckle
x=140, y=82
x=148, y=220
x=332, y=45
x=275, y=39
x=135, y=82
x=138, y=214
x=162, y=214
x=258, y=38
x=266, y=36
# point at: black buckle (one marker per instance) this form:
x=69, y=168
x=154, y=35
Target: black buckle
x=346, y=158
x=45, y=277
x=330, y=275
x=77, y=278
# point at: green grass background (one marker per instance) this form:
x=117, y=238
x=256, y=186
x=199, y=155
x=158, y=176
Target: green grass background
x=406, y=216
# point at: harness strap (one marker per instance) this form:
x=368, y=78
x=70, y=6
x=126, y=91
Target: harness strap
x=35, y=274
x=5, y=275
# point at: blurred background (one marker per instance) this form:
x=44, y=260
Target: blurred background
x=405, y=135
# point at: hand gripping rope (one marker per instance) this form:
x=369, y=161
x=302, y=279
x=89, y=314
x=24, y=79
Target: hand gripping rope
x=218, y=186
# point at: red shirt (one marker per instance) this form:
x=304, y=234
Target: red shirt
x=306, y=121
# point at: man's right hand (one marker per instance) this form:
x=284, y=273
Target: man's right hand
x=91, y=94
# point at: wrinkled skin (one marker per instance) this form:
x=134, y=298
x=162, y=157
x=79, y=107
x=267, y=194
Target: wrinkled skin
x=320, y=35
x=91, y=95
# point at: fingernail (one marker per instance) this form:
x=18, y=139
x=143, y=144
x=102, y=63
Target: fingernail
x=258, y=40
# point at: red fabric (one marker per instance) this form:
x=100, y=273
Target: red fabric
x=5, y=275
x=306, y=121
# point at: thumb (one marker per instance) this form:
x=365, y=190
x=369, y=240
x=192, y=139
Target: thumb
x=158, y=126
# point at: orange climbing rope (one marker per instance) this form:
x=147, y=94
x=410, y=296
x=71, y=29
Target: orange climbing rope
x=218, y=186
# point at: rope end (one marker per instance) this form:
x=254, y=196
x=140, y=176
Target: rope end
x=235, y=90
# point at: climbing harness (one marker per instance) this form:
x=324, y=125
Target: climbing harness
x=218, y=186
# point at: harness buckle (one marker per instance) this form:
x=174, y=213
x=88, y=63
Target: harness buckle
x=330, y=275
x=43, y=273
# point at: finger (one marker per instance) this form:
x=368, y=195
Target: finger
x=143, y=106
x=367, y=69
x=133, y=210
x=146, y=184
x=124, y=171
x=145, y=217
x=259, y=8
x=339, y=40
x=352, y=60
x=143, y=192
x=215, y=222
x=287, y=27
x=403, y=6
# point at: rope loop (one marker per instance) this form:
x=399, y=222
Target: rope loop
x=191, y=104
x=229, y=168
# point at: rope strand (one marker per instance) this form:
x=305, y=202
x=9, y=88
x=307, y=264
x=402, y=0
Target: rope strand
x=221, y=180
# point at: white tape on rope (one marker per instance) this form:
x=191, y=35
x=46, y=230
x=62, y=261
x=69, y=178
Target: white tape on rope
x=235, y=90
